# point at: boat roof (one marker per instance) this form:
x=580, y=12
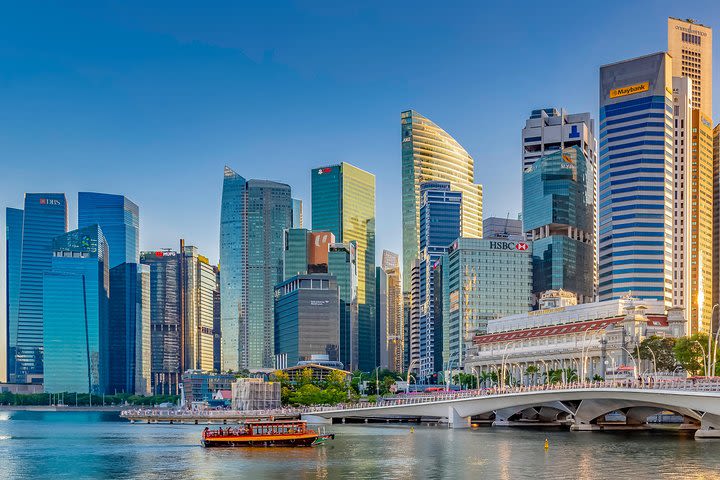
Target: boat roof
x=273, y=422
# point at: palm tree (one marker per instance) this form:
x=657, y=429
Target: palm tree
x=531, y=371
x=485, y=377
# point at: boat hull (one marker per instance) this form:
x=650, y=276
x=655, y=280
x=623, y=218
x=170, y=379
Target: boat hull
x=259, y=441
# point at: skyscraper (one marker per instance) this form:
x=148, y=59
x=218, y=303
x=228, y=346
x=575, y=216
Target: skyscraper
x=440, y=226
x=343, y=202
x=636, y=179
x=496, y=227
x=381, y=314
x=716, y=221
x=690, y=46
x=253, y=218
x=75, y=313
x=119, y=219
x=343, y=265
x=198, y=287
x=13, y=255
x=395, y=331
x=559, y=217
x=429, y=153
x=297, y=213
x=44, y=218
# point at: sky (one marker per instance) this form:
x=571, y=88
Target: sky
x=151, y=101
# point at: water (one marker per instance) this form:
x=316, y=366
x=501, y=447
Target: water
x=75, y=445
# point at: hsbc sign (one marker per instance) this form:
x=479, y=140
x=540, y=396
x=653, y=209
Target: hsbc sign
x=504, y=245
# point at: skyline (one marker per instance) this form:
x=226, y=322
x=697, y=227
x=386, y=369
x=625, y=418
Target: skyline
x=156, y=104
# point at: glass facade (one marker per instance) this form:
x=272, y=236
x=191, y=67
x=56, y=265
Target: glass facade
x=45, y=217
x=119, y=219
x=199, y=286
x=342, y=264
x=253, y=219
x=307, y=322
x=482, y=279
x=440, y=226
x=13, y=254
x=343, y=202
x=297, y=213
x=559, y=215
x=636, y=179
x=75, y=313
x=430, y=153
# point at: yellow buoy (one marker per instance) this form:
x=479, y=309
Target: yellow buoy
x=547, y=444
x=412, y=429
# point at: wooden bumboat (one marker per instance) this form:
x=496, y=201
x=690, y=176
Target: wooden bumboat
x=265, y=434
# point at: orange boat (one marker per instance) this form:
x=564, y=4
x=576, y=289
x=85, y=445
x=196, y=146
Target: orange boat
x=265, y=434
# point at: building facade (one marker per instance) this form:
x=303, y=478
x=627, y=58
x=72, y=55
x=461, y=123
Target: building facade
x=496, y=227
x=690, y=46
x=13, y=256
x=482, y=280
x=429, y=153
x=307, y=318
x=297, y=213
x=253, y=218
x=75, y=313
x=343, y=203
x=199, y=284
x=395, y=329
x=636, y=179
x=119, y=219
x=44, y=218
x=559, y=218
x=381, y=312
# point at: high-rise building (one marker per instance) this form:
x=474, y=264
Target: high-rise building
x=130, y=338
x=559, y=218
x=217, y=332
x=343, y=203
x=395, y=330
x=307, y=318
x=636, y=179
x=690, y=46
x=166, y=324
x=381, y=313
x=75, y=313
x=199, y=284
x=716, y=222
x=253, y=219
x=440, y=226
x=343, y=265
x=119, y=219
x=497, y=227
x=306, y=252
x=13, y=255
x=412, y=319
x=549, y=130
x=297, y=213
x=429, y=153
x=44, y=218
x=482, y=279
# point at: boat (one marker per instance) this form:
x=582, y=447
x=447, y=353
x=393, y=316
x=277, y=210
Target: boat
x=292, y=433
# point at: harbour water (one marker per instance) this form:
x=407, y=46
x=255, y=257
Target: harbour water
x=91, y=445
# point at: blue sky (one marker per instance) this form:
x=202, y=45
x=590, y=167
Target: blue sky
x=152, y=101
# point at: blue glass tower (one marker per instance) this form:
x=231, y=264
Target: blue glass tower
x=119, y=219
x=440, y=226
x=44, y=218
x=13, y=254
x=75, y=313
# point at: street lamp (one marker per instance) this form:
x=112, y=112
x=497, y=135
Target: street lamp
x=407, y=387
x=709, y=349
x=706, y=366
x=637, y=370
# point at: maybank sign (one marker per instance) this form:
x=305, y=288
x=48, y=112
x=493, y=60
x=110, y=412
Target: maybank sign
x=630, y=90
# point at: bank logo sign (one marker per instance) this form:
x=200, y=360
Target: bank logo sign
x=522, y=246
x=49, y=201
x=630, y=90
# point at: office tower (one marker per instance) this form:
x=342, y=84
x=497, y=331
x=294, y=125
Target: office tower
x=253, y=218
x=690, y=46
x=297, y=213
x=306, y=252
x=343, y=265
x=636, y=179
x=166, y=323
x=13, y=255
x=716, y=222
x=119, y=219
x=395, y=331
x=482, y=279
x=343, y=203
x=439, y=314
x=429, y=153
x=496, y=227
x=549, y=130
x=559, y=218
x=440, y=226
x=44, y=218
x=217, y=332
x=307, y=318
x=75, y=313
x=381, y=313
x=413, y=319
x=199, y=284
x=407, y=302
x=130, y=338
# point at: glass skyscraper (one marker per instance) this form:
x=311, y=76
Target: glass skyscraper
x=440, y=226
x=636, y=179
x=13, y=255
x=44, y=218
x=253, y=218
x=75, y=313
x=559, y=215
x=119, y=219
x=343, y=202
x=430, y=153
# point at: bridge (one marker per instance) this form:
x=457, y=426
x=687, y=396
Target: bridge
x=584, y=405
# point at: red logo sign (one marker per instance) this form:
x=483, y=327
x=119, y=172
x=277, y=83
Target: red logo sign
x=521, y=246
x=43, y=201
x=158, y=254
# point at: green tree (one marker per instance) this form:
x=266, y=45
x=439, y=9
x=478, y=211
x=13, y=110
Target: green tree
x=663, y=348
x=306, y=377
x=281, y=377
x=690, y=354
x=337, y=379
x=307, y=395
x=532, y=371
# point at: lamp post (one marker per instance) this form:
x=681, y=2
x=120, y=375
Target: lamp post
x=448, y=377
x=407, y=387
x=710, y=334
x=705, y=366
x=637, y=370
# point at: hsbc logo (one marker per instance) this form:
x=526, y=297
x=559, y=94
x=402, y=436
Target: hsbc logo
x=521, y=246
x=49, y=201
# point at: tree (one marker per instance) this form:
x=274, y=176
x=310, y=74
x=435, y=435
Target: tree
x=281, y=377
x=306, y=377
x=663, y=348
x=336, y=379
x=531, y=371
x=307, y=395
x=689, y=353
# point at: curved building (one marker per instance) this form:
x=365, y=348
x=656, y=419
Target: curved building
x=429, y=153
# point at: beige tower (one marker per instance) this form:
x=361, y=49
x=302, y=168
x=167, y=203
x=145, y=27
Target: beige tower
x=690, y=45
